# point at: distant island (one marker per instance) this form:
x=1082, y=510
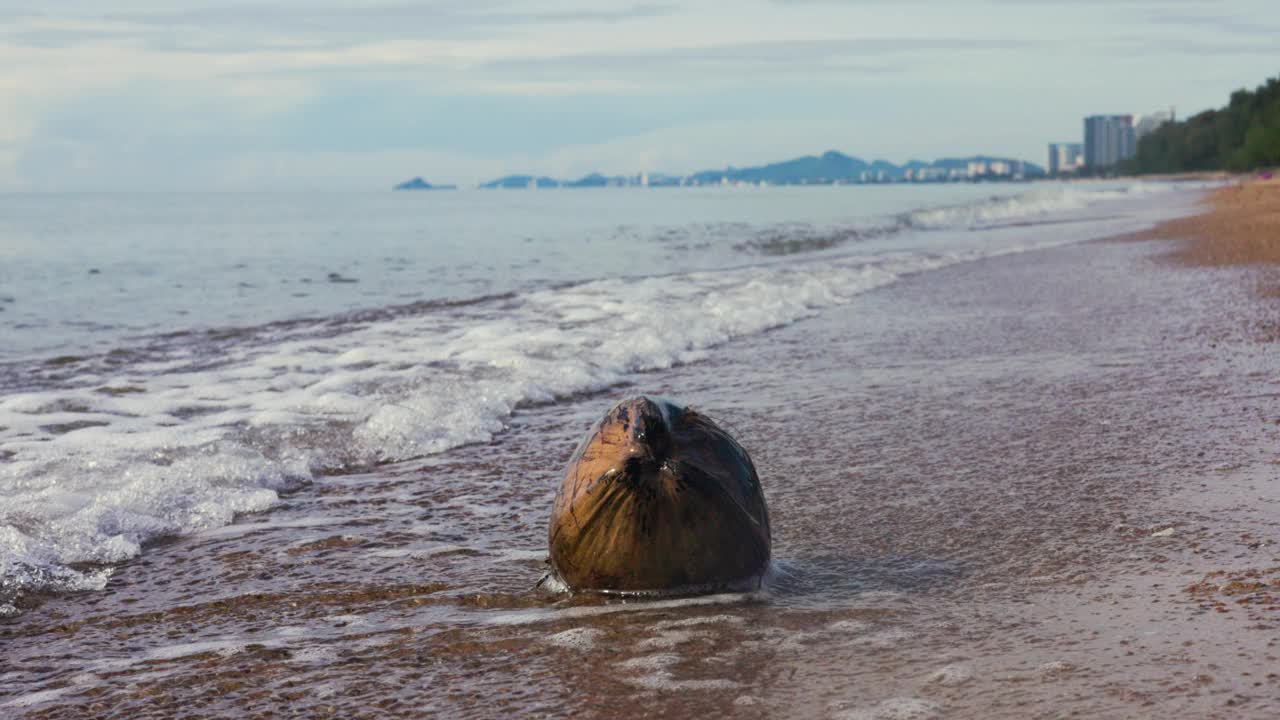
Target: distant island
x=830, y=168
x=420, y=184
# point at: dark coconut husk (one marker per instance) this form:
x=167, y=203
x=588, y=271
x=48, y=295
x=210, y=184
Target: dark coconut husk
x=659, y=498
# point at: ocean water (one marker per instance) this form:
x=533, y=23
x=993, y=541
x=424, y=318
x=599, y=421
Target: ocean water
x=169, y=363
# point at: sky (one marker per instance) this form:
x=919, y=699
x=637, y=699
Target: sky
x=318, y=94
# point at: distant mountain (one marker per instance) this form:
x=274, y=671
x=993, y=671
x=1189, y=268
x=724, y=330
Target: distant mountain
x=420, y=184
x=593, y=180
x=835, y=167
x=522, y=181
x=829, y=168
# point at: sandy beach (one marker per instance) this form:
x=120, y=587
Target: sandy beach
x=805, y=360
x=1240, y=225
x=1040, y=485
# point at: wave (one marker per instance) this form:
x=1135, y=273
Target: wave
x=1042, y=201
x=183, y=438
x=1043, y=204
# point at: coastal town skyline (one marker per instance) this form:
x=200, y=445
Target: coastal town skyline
x=830, y=168
x=1105, y=141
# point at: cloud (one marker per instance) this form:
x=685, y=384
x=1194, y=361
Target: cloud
x=1141, y=47
x=781, y=55
x=952, y=3
x=471, y=14
x=1242, y=25
x=165, y=93
x=238, y=28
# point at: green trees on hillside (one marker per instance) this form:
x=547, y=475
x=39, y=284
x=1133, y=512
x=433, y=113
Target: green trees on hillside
x=1245, y=135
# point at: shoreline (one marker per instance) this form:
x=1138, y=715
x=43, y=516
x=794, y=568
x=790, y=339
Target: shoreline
x=1239, y=225
x=49, y=417
x=972, y=472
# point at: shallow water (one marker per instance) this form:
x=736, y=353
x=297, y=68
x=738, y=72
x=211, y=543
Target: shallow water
x=87, y=271
x=115, y=439
x=959, y=465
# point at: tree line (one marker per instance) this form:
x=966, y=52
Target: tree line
x=1243, y=136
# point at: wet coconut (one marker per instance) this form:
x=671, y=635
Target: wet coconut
x=659, y=499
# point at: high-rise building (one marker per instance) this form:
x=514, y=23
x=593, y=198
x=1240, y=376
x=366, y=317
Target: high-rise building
x=1065, y=157
x=1108, y=139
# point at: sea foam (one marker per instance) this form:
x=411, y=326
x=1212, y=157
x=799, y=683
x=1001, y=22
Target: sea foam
x=92, y=466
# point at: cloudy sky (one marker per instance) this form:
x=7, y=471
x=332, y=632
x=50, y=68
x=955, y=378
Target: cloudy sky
x=195, y=95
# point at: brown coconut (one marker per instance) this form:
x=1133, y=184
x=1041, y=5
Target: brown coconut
x=658, y=498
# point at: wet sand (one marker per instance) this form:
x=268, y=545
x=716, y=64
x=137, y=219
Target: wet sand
x=1040, y=485
x=1240, y=226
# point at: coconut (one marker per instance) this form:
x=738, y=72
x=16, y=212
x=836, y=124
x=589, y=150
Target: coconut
x=659, y=499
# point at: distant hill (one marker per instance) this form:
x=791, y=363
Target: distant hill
x=835, y=167
x=420, y=184
x=829, y=168
x=593, y=180
x=522, y=181
x=808, y=170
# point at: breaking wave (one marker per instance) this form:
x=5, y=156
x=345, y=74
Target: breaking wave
x=99, y=455
x=1041, y=204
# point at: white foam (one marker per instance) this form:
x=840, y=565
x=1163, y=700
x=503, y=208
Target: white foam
x=951, y=675
x=206, y=440
x=649, y=662
x=532, y=616
x=778, y=639
x=849, y=626
x=576, y=638
x=225, y=648
x=314, y=654
x=890, y=639
x=664, y=681
x=694, y=621
x=518, y=555
x=1056, y=668
x=248, y=528
x=895, y=709
x=348, y=620
x=41, y=696
x=669, y=639
x=1042, y=201
x=86, y=678
x=418, y=554
x=652, y=672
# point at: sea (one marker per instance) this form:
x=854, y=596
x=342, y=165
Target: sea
x=169, y=362
x=396, y=379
